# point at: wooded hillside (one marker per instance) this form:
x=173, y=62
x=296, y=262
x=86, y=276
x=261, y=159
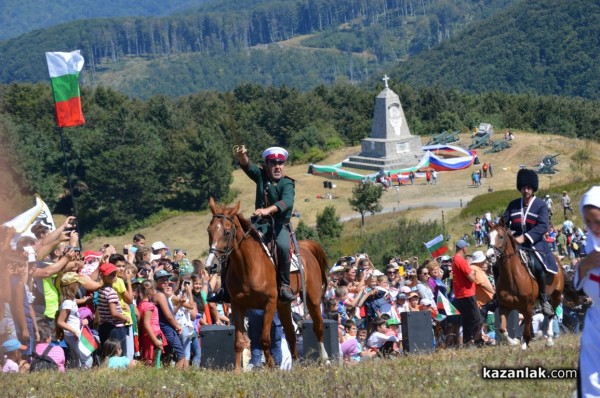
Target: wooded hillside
x=383, y=30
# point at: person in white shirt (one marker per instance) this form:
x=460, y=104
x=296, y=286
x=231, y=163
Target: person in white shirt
x=587, y=277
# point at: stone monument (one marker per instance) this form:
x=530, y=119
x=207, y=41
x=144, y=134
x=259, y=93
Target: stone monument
x=390, y=146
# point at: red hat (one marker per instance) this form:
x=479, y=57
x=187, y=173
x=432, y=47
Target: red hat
x=91, y=254
x=275, y=153
x=107, y=269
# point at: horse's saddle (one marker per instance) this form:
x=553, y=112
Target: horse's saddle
x=269, y=248
x=530, y=260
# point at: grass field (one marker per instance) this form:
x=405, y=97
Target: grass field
x=446, y=373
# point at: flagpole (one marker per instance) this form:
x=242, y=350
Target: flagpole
x=74, y=205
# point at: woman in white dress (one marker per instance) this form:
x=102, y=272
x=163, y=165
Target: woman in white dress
x=587, y=276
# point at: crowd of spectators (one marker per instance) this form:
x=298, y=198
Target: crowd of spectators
x=146, y=304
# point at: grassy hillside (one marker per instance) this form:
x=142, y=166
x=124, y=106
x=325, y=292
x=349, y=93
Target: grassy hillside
x=420, y=202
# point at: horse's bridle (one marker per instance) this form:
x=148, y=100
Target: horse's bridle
x=222, y=254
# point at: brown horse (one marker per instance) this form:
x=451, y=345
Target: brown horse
x=251, y=279
x=516, y=288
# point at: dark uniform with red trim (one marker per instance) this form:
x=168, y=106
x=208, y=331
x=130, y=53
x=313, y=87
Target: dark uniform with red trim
x=532, y=221
x=281, y=194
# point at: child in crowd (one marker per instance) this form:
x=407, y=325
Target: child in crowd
x=379, y=341
x=413, y=301
x=114, y=355
x=122, y=286
x=151, y=337
x=12, y=351
x=185, y=311
x=112, y=321
x=393, y=329
x=341, y=294
x=168, y=324
x=56, y=353
x=68, y=318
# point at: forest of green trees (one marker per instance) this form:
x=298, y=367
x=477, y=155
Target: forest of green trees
x=385, y=30
x=135, y=157
x=545, y=47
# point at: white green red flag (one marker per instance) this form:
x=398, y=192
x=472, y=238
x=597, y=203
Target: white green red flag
x=87, y=342
x=64, y=71
x=436, y=246
x=443, y=304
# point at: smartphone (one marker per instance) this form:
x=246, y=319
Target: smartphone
x=186, y=283
x=125, y=250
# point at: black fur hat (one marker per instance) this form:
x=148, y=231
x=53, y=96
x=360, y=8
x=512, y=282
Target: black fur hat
x=527, y=177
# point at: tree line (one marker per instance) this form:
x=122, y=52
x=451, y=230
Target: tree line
x=134, y=158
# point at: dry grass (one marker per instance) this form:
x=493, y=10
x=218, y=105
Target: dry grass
x=189, y=231
x=448, y=373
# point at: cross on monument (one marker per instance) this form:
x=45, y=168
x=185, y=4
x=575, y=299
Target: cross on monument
x=385, y=79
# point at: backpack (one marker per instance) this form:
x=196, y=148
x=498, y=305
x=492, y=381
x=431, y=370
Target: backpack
x=42, y=362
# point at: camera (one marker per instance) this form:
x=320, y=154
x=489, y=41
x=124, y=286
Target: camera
x=125, y=250
x=186, y=283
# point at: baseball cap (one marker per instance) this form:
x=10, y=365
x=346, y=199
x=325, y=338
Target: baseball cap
x=400, y=296
x=392, y=321
x=461, y=243
x=161, y=274
x=159, y=245
x=107, y=269
x=445, y=258
x=13, y=345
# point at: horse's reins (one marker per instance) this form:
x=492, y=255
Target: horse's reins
x=222, y=254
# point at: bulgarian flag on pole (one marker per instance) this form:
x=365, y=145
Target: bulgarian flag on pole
x=64, y=71
x=436, y=246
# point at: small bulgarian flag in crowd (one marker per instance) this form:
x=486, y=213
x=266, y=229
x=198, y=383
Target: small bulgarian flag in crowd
x=436, y=246
x=445, y=305
x=87, y=342
x=64, y=71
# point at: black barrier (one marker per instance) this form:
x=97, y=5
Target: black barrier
x=417, y=331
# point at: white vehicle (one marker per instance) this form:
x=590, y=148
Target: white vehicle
x=485, y=129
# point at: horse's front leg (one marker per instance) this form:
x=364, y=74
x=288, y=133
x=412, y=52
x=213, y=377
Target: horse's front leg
x=504, y=337
x=550, y=331
x=240, y=330
x=285, y=316
x=265, y=337
x=527, y=328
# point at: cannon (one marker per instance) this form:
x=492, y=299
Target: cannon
x=480, y=142
x=550, y=160
x=498, y=146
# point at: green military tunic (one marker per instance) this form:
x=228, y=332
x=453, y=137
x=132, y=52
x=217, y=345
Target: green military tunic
x=281, y=194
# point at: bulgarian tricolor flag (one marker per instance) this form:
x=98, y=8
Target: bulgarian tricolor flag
x=87, y=342
x=436, y=246
x=443, y=304
x=64, y=71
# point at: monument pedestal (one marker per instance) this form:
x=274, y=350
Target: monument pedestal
x=387, y=154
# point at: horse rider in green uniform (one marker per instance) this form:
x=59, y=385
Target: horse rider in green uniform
x=274, y=199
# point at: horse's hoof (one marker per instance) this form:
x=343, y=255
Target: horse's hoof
x=524, y=346
x=549, y=343
x=513, y=342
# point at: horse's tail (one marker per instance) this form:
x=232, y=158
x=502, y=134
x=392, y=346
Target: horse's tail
x=321, y=257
